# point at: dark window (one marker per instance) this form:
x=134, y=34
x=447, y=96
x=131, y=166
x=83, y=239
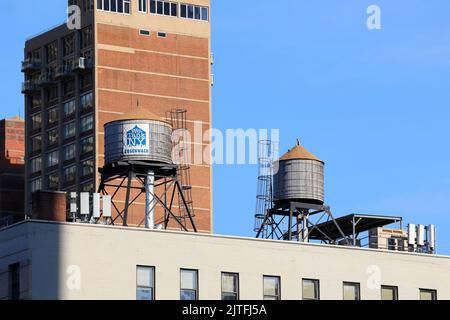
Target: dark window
x=53, y=115
x=162, y=35
x=144, y=32
x=69, y=45
x=145, y=283
x=230, y=286
x=190, y=13
x=87, y=168
x=86, y=37
x=174, y=10
x=143, y=5
x=197, y=13
x=69, y=152
x=87, y=145
x=52, y=52
x=152, y=6
x=14, y=281
x=160, y=7
x=183, y=13
x=188, y=284
x=52, y=137
x=36, y=143
x=113, y=6
x=167, y=8
x=205, y=14
x=53, y=182
x=70, y=174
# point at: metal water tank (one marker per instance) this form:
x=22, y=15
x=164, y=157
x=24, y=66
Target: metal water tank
x=300, y=177
x=138, y=136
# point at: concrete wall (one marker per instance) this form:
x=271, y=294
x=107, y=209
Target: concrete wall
x=106, y=258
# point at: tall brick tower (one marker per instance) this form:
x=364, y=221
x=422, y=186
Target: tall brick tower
x=155, y=54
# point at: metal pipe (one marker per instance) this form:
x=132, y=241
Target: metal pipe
x=150, y=200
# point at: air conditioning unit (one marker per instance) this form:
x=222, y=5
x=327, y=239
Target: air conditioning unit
x=82, y=63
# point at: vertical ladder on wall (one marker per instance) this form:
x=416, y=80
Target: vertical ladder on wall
x=178, y=119
x=264, y=196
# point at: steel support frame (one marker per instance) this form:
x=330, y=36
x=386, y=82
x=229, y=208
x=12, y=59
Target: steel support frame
x=130, y=173
x=298, y=215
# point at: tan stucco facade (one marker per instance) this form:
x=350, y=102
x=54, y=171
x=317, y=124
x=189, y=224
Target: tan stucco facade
x=104, y=260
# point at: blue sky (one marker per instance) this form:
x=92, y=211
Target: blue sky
x=372, y=104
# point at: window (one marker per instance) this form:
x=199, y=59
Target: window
x=53, y=115
x=69, y=152
x=36, y=143
x=87, y=145
x=389, y=293
x=69, y=108
x=36, y=102
x=87, y=168
x=70, y=174
x=87, y=187
x=190, y=11
x=87, y=101
x=143, y=5
x=52, y=159
x=68, y=45
x=120, y=6
x=52, y=137
x=69, y=130
x=14, y=281
x=352, y=291
x=52, y=94
x=85, y=80
x=165, y=8
x=189, y=285
x=36, y=121
x=53, y=181
x=230, y=286
x=145, y=283
x=162, y=35
x=272, y=288
x=36, y=165
x=36, y=185
x=427, y=294
x=68, y=87
x=310, y=289
x=144, y=32
x=87, y=123
x=52, y=52
x=86, y=37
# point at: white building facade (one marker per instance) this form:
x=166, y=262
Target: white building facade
x=46, y=260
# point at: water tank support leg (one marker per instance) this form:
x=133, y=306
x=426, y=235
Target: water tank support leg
x=150, y=200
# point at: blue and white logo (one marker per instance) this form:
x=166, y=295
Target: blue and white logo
x=135, y=139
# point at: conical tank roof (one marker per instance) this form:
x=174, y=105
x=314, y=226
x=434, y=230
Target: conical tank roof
x=300, y=153
x=139, y=113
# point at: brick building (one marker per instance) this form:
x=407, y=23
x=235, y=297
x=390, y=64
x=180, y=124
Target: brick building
x=156, y=54
x=12, y=166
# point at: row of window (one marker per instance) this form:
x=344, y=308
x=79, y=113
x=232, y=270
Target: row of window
x=119, y=6
x=68, y=46
x=160, y=7
x=189, y=287
x=168, y=8
x=69, y=153
x=68, y=131
x=69, y=175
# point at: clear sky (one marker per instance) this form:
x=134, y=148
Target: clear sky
x=373, y=104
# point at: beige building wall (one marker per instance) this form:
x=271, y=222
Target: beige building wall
x=106, y=258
